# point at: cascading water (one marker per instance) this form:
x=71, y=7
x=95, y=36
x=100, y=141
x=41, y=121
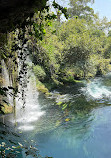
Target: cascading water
x=31, y=112
x=24, y=116
x=5, y=75
x=97, y=90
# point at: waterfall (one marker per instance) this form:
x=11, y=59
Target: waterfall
x=5, y=75
x=25, y=116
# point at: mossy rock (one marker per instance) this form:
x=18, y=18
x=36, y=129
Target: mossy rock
x=42, y=89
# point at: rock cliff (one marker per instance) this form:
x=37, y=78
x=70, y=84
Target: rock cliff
x=13, y=12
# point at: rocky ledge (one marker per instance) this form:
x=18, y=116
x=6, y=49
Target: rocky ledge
x=14, y=12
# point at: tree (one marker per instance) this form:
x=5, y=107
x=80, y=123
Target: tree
x=84, y=46
x=80, y=8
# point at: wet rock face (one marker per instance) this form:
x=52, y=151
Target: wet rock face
x=13, y=12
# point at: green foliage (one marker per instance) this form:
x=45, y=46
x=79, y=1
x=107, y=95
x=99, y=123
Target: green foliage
x=39, y=30
x=73, y=50
x=59, y=103
x=84, y=47
x=60, y=8
x=41, y=87
x=80, y=8
x=39, y=72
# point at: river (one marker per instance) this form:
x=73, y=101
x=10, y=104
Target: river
x=74, y=122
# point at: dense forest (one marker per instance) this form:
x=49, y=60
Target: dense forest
x=60, y=46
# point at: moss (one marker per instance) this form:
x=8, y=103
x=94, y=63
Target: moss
x=51, y=85
x=71, y=80
x=1, y=80
x=39, y=72
x=41, y=88
x=7, y=109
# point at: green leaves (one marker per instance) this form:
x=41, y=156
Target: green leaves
x=60, y=8
x=39, y=72
x=39, y=30
x=50, y=16
x=64, y=106
x=81, y=9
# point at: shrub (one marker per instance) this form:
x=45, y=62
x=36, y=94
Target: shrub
x=39, y=72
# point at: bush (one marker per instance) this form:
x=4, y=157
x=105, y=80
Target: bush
x=39, y=72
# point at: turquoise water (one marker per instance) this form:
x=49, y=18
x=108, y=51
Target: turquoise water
x=80, y=130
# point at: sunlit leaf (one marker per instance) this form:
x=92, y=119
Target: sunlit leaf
x=67, y=119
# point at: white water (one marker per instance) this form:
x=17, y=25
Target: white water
x=32, y=112
x=5, y=75
x=97, y=90
x=25, y=116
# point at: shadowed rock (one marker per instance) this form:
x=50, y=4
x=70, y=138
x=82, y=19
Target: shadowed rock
x=14, y=12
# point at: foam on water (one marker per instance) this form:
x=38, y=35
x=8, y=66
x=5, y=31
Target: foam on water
x=26, y=128
x=97, y=90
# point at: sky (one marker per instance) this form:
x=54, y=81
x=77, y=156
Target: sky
x=103, y=7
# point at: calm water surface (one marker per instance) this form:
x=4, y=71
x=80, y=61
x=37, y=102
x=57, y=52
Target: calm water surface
x=78, y=128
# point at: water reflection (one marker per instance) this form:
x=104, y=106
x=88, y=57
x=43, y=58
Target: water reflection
x=81, y=138
x=81, y=130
